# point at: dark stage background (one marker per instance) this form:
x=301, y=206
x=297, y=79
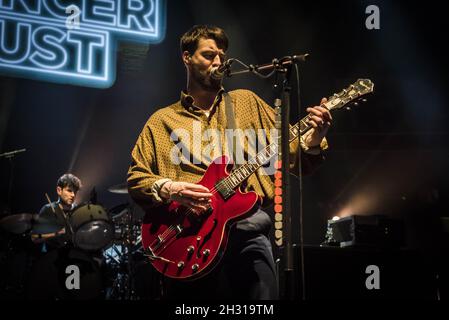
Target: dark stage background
x=388, y=156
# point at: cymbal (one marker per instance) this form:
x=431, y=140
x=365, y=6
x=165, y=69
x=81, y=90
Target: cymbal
x=122, y=212
x=17, y=223
x=119, y=210
x=24, y=222
x=41, y=225
x=121, y=188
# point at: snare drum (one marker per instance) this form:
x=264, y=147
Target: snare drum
x=91, y=226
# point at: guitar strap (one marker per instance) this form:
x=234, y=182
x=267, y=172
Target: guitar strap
x=231, y=123
x=259, y=221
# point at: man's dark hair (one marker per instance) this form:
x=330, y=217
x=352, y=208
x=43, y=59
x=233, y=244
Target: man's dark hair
x=189, y=40
x=69, y=180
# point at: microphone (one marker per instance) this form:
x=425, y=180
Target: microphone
x=218, y=73
x=300, y=58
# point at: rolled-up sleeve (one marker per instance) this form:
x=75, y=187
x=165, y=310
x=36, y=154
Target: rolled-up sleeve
x=143, y=178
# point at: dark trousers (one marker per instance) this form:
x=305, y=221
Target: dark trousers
x=246, y=272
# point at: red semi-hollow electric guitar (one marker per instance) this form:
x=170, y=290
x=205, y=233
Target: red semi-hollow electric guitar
x=182, y=245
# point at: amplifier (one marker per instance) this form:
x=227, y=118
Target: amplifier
x=374, y=230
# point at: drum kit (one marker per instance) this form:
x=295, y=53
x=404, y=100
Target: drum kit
x=106, y=244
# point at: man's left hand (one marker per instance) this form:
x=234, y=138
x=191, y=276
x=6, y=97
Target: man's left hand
x=320, y=119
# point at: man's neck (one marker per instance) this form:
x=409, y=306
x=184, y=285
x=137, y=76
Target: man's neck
x=64, y=206
x=203, y=98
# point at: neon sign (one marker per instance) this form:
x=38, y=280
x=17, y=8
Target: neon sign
x=73, y=41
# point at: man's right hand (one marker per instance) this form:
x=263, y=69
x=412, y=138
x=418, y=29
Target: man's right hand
x=39, y=238
x=194, y=196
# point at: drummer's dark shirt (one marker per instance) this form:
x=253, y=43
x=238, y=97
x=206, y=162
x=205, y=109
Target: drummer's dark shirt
x=58, y=217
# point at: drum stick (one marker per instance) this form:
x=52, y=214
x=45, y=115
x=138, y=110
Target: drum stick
x=49, y=202
x=51, y=205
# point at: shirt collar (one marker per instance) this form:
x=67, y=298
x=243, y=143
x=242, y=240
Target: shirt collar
x=187, y=101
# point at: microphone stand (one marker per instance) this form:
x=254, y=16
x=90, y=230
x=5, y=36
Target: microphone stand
x=10, y=156
x=281, y=68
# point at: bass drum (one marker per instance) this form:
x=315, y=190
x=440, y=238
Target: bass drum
x=91, y=226
x=52, y=276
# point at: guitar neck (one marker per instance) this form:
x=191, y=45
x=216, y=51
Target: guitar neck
x=240, y=174
x=349, y=95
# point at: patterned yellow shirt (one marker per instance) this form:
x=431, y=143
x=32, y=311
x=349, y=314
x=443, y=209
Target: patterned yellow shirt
x=180, y=141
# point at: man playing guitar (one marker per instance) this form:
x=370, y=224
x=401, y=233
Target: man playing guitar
x=171, y=156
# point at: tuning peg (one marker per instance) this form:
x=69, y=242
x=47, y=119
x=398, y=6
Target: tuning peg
x=364, y=100
x=356, y=104
x=348, y=108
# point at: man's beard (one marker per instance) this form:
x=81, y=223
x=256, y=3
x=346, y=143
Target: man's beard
x=206, y=82
x=67, y=202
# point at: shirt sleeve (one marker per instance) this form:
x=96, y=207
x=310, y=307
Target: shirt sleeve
x=144, y=182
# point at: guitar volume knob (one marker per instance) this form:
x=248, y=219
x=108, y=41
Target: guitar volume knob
x=190, y=249
x=206, y=252
x=180, y=265
x=195, y=267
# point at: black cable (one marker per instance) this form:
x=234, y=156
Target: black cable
x=301, y=229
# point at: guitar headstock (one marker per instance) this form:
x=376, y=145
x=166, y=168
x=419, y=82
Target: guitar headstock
x=351, y=95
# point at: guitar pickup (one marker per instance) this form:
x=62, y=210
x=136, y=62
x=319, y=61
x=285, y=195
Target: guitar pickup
x=224, y=190
x=178, y=229
x=227, y=194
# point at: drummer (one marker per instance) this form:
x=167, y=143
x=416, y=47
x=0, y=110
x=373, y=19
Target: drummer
x=67, y=187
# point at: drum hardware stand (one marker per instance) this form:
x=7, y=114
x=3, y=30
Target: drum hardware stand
x=123, y=286
x=130, y=292
x=124, y=263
